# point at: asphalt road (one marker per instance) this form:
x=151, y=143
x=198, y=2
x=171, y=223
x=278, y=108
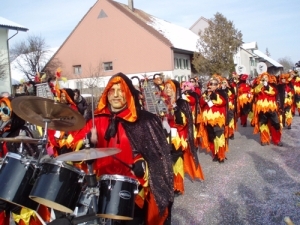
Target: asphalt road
x=256, y=185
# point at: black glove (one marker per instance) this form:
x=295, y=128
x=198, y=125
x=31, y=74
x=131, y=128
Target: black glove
x=213, y=96
x=178, y=117
x=64, y=149
x=139, y=168
x=176, y=154
x=267, y=87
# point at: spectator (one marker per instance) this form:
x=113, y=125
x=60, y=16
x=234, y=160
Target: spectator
x=80, y=102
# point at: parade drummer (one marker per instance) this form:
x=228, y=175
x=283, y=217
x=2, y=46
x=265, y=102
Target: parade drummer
x=120, y=122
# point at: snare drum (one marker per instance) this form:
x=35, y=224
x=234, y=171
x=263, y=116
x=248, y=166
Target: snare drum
x=16, y=180
x=58, y=185
x=117, y=196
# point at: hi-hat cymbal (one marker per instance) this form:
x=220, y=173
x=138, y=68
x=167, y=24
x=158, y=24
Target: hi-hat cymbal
x=37, y=110
x=19, y=139
x=87, y=154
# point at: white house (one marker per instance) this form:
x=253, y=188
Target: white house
x=5, y=26
x=247, y=55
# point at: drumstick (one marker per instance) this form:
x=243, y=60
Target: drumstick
x=40, y=218
x=93, y=116
x=125, y=164
x=288, y=221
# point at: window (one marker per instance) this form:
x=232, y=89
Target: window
x=184, y=64
x=108, y=66
x=77, y=69
x=79, y=85
x=176, y=63
x=187, y=62
x=180, y=64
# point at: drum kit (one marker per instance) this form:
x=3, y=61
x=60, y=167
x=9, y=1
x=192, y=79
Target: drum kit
x=54, y=182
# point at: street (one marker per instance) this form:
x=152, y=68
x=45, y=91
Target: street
x=256, y=185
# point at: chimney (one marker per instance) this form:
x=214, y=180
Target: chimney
x=130, y=5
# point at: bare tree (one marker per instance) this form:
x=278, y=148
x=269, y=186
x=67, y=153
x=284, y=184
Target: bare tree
x=267, y=52
x=51, y=67
x=92, y=83
x=30, y=56
x=216, y=46
x=287, y=63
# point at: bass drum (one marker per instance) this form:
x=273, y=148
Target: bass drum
x=17, y=179
x=117, y=196
x=58, y=185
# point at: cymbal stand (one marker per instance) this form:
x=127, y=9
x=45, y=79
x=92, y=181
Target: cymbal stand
x=44, y=140
x=92, y=184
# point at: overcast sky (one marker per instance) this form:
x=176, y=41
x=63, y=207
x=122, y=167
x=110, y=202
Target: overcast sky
x=273, y=24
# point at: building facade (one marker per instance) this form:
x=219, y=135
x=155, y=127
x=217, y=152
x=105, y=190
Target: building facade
x=5, y=74
x=114, y=37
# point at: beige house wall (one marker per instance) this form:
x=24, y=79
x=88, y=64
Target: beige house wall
x=115, y=38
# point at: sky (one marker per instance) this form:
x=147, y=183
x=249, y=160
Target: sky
x=274, y=25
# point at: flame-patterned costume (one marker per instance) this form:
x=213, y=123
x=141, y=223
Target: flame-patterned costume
x=140, y=136
x=244, y=99
x=184, y=152
x=192, y=97
x=213, y=108
x=196, y=86
x=266, y=110
x=228, y=94
x=285, y=93
x=60, y=142
x=296, y=84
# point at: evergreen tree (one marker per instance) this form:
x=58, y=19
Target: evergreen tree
x=216, y=46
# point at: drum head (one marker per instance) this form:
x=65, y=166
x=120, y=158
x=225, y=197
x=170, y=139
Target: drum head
x=118, y=178
x=51, y=204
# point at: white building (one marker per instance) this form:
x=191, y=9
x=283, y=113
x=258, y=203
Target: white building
x=5, y=26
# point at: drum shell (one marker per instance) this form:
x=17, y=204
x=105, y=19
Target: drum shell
x=57, y=186
x=16, y=180
x=117, y=197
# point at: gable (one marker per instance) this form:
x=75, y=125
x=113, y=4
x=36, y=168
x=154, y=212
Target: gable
x=110, y=33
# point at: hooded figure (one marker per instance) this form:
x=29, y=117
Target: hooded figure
x=145, y=154
x=266, y=110
x=285, y=96
x=184, y=152
x=244, y=99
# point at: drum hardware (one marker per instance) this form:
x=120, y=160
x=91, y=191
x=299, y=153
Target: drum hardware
x=21, y=139
x=88, y=154
x=36, y=109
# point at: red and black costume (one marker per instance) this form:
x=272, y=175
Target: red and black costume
x=266, y=110
x=244, y=99
x=140, y=136
x=285, y=94
x=296, y=101
x=212, y=129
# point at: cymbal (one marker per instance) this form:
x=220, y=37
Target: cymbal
x=38, y=110
x=21, y=138
x=87, y=154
